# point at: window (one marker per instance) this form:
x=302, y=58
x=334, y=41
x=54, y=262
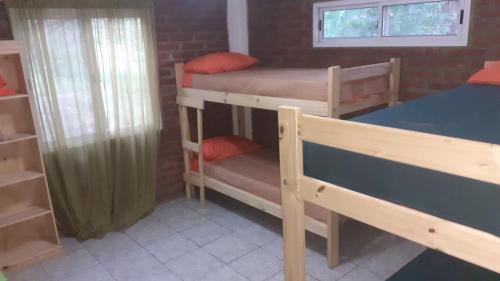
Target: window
x=391, y=23
x=92, y=72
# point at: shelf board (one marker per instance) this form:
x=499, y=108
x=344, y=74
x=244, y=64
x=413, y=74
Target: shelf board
x=22, y=176
x=28, y=251
x=21, y=214
x=6, y=139
x=13, y=97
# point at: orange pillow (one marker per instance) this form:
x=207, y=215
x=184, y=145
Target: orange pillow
x=487, y=76
x=219, y=148
x=187, y=80
x=2, y=82
x=219, y=62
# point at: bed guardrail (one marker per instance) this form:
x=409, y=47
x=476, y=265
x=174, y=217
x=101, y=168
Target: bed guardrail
x=470, y=159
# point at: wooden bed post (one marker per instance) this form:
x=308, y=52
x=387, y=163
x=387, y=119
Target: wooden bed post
x=292, y=205
x=394, y=81
x=334, y=85
x=201, y=165
x=333, y=239
x=185, y=130
x=333, y=225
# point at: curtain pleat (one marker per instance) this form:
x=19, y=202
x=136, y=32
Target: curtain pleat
x=94, y=79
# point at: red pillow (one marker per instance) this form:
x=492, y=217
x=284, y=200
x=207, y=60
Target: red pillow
x=219, y=148
x=219, y=62
x=487, y=76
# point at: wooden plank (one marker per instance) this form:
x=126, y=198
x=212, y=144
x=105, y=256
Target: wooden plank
x=18, y=177
x=254, y=101
x=11, y=138
x=315, y=226
x=190, y=102
x=189, y=145
x=466, y=243
x=459, y=157
x=21, y=214
x=371, y=101
x=358, y=90
x=293, y=207
x=365, y=72
x=29, y=252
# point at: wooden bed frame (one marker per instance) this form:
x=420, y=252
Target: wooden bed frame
x=339, y=83
x=459, y=157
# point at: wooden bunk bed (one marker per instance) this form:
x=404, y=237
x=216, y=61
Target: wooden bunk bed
x=403, y=170
x=259, y=184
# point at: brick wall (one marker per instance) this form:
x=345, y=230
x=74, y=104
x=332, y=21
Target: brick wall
x=186, y=29
x=281, y=35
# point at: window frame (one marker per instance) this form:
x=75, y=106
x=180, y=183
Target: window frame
x=459, y=40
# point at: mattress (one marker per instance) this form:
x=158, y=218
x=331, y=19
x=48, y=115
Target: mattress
x=435, y=266
x=259, y=174
x=292, y=83
x=468, y=112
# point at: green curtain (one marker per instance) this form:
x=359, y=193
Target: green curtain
x=94, y=80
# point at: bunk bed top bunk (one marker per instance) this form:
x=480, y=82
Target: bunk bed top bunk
x=328, y=92
x=289, y=83
x=426, y=170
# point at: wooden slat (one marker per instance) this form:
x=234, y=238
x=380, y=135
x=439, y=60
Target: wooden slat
x=11, y=138
x=480, y=161
x=365, y=71
x=18, y=177
x=454, y=239
x=194, y=147
x=190, y=102
x=262, y=102
x=293, y=207
x=371, y=101
x=312, y=225
x=22, y=214
x=33, y=250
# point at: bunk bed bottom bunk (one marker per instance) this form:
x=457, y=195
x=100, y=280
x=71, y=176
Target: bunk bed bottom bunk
x=258, y=174
x=435, y=266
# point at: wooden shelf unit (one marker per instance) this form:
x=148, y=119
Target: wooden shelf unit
x=28, y=230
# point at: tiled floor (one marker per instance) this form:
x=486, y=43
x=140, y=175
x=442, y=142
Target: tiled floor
x=224, y=241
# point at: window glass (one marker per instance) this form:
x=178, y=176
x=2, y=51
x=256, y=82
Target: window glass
x=422, y=19
x=351, y=23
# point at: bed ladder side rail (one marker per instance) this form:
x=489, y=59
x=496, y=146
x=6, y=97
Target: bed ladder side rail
x=188, y=146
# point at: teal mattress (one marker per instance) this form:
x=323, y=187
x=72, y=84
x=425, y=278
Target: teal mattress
x=468, y=112
x=435, y=266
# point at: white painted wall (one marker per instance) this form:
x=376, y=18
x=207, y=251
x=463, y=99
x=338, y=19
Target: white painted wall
x=237, y=26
